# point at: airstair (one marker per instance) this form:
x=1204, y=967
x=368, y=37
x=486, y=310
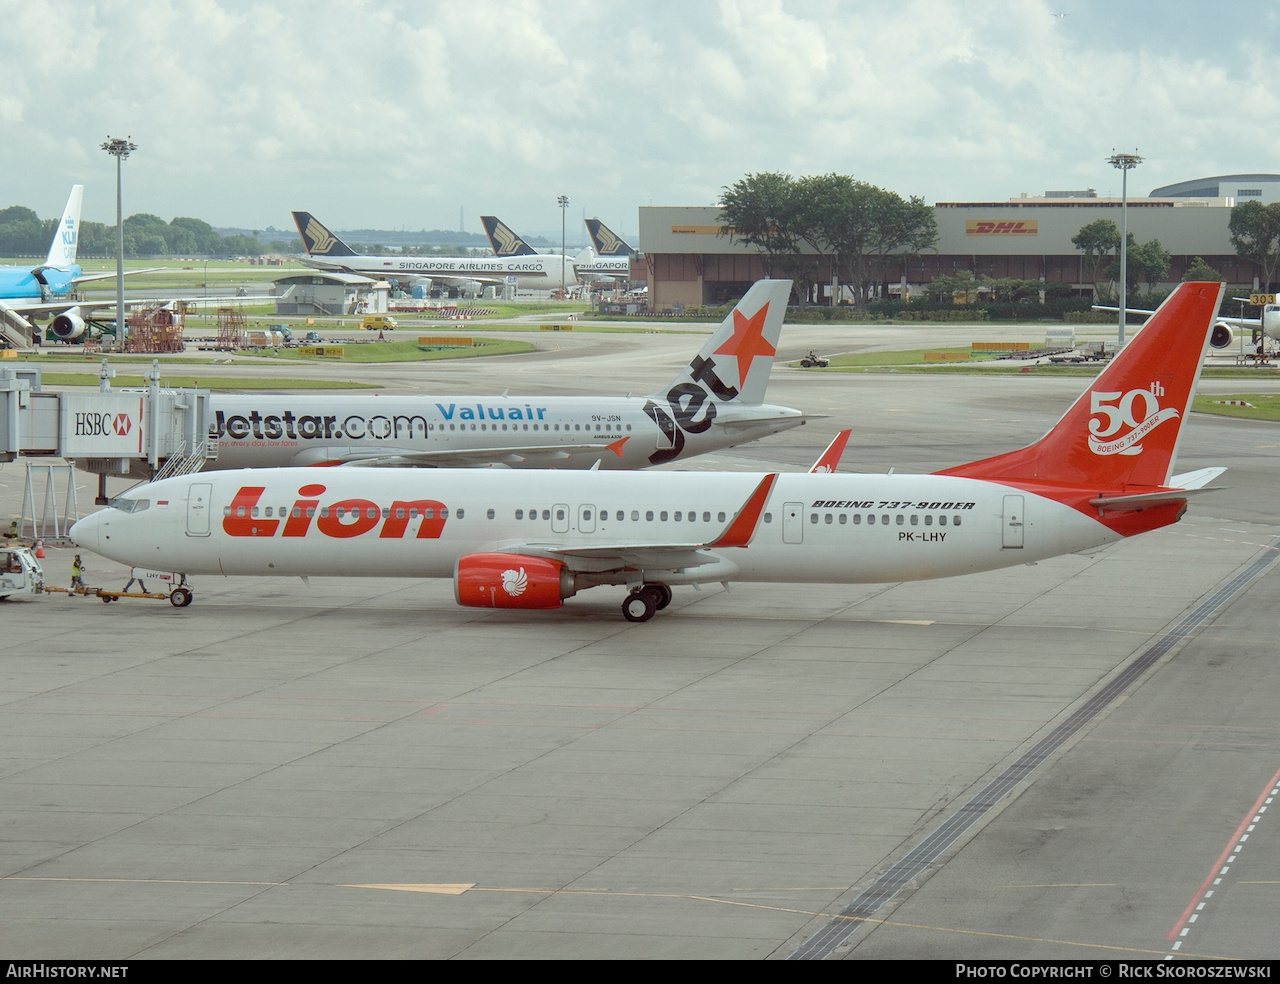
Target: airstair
x=181, y=463
x=14, y=328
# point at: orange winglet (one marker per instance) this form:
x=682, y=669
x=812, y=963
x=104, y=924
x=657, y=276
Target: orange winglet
x=830, y=458
x=743, y=527
x=616, y=446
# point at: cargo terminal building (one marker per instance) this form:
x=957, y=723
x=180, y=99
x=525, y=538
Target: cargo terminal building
x=688, y=261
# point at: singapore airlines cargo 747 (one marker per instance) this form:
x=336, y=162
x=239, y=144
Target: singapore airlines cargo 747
x=533, y=539
x=714, y=402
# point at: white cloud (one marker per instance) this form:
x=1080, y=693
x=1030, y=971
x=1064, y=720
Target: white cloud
x=396, y=113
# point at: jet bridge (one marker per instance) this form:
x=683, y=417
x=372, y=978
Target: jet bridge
x=138, y=432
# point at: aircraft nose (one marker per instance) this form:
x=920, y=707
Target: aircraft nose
x=84, y=533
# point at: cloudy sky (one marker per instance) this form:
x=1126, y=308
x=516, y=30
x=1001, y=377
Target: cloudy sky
x=396, y=115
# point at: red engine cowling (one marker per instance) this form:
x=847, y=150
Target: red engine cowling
x=500, y=580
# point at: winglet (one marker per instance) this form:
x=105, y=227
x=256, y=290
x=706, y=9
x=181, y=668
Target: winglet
x=743, y=528
x=830, y=458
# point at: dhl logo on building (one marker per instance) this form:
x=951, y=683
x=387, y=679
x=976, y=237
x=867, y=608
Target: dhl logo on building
x=988, y=227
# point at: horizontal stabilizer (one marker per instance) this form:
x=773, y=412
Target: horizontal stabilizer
x=1197, y=479
x=1144, y=500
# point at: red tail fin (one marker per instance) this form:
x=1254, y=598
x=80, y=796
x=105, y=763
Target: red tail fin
x=1124, y=430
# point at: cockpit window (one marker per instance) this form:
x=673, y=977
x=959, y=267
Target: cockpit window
x=131, y=505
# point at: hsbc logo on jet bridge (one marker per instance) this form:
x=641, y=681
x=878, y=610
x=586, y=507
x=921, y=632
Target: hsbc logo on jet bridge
x=91, y=424
x=990, y=227
x=340, y=520
x=101, y=425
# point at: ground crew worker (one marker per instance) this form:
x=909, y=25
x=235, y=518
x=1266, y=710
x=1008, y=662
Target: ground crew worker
x=77, y=571
x=12, y=532
x=134, y=577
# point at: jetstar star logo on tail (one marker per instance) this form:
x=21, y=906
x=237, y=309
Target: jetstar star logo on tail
x=1114, y=411
x=747, y=341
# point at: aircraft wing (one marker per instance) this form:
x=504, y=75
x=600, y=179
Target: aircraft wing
x=91, y=277
x=598, y=557
x=1224, y=319
x=38, y=308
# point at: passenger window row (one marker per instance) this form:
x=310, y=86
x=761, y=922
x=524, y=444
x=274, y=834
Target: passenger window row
x=621, y=515
x=899, y=519
x=608, y=428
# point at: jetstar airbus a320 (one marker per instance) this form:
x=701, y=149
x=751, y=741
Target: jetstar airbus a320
x=715, y=402
x=533, y=539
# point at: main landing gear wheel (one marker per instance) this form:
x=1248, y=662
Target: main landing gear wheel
x=662, y=592
x=180, y=597
x=639, y=606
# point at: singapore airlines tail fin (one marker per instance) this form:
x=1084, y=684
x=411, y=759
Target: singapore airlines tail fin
x=605, y=240
x=62, y=251
x=316, y=239
x=503, y=241
x=734, y=365
x=1123, y=432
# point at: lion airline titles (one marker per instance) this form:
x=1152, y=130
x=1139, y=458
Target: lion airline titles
x=713, y=403
x=533, y=539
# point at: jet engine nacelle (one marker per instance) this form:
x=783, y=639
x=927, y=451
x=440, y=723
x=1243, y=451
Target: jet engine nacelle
x=1222, y=335
x=68, y=325
x=503, y=580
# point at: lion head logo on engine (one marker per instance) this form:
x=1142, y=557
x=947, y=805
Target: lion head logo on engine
x=514, y=582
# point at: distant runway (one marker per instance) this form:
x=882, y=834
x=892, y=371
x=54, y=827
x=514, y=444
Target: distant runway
x=363, y=769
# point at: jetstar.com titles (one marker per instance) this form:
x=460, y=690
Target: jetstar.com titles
x=380, y=427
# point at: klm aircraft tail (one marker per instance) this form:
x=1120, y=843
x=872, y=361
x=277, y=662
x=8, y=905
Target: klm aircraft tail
x=605, y=241
x=62, y=251
x=503, y=241
x=316, y=239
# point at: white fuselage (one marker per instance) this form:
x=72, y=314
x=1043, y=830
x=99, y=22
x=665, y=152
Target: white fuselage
x=547, y=432
x=540, y=271
x=413, y=523
x=605, y=268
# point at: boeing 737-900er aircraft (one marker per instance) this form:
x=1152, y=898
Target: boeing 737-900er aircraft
x=714, y=403
x=531, y=540
x=325, y=251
